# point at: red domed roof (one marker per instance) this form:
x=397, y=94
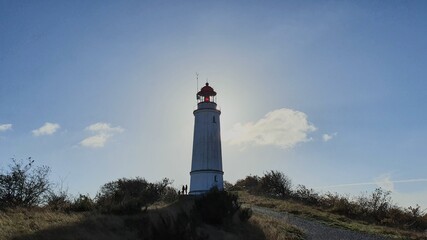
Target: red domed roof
x=206, y=91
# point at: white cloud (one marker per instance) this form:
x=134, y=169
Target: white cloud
x=5, y=127
x=326, y=137
x=47, y=129
x=384, y=181
x=282, y=127
x=103, y=132
x=103, y=127
x=96, y=141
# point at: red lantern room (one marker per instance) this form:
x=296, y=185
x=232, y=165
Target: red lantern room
x=206, y=94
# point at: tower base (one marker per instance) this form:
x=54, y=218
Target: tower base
x=204, y=180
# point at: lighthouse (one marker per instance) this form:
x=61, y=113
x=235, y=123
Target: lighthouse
x=206, y=165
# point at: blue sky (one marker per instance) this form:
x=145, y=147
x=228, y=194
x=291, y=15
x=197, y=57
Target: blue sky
x=332, y=93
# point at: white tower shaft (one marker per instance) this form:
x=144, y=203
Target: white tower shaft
x=206, y=168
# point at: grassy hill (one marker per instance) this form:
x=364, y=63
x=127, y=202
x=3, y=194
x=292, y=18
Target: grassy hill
x=166, y=222
x=327, y=216
x=138, y=209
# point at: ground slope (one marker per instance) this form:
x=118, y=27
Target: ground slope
x=315, y=230
x=319, y=224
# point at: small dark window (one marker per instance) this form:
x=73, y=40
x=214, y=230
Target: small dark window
x=215, y=178
x=213, y=119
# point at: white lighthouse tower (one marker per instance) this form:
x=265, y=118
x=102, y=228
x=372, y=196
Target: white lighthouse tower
x=206, y=166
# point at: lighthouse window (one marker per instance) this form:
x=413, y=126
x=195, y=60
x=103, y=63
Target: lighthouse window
x=213, y=119
x=215, y=178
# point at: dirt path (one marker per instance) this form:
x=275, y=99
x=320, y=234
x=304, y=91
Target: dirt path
x=315, y=230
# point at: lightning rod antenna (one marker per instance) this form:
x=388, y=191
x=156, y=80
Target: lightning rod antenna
x=197, y=79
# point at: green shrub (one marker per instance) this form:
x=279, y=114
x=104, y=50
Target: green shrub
x=417, y=218
x=129, y=196
x=276, y=184
x=228, y=186
x=215, y=207
x=245, y=214
x=250, y=183
x=339, y=204
x=82, y=204
x=24, y=185
x=59, y=201
x=307, y=196
x=375, y=207
x=169, y=195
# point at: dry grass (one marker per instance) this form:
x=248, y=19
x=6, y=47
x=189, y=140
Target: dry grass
x=34, y=224
x=327, y=217
x=37, y=223
x=23, y=221
x=274, y=229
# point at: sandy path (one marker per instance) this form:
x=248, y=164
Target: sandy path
x=315, y=230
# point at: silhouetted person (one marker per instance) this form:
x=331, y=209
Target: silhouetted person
x=186, y=188
x=183, y=189
x=179, y=193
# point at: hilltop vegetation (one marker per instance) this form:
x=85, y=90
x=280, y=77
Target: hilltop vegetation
x=31, y=208
x=373, y=213
x=123, y=209
x=25, y=185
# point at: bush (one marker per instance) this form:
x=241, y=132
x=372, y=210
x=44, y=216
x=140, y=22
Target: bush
x=250, y=183
x=127, y=196
x=308, y=196
x=82, y=204
x=276, y=184
x=59, y=201
x=374, y=206
x=169, y=195
x=216, y=206
x=228, y=186
x=416, y=218
x=24, y=185
x=245, y=214
x=273, y=183
x=338, y=204
x=187, y=218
